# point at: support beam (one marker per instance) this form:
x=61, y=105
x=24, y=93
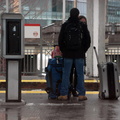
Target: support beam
x=75, y=3
x=95, y=34
x=96, y=24
x=20, y=10
x=64, y=7
x=7, y=6
x=89, y=59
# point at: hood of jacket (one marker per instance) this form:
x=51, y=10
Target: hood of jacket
x=73, y=19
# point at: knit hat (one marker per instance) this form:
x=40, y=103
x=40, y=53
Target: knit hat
x=74, y=12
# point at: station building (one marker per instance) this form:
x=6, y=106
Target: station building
x=46, y=17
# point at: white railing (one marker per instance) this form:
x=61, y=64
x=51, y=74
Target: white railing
x=35, y=63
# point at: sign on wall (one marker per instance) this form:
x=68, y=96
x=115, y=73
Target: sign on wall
x=32, y=31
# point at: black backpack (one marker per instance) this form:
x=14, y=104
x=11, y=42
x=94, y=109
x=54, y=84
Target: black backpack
x=73, y=36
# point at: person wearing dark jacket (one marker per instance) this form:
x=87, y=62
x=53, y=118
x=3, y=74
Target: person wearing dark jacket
x=73, y=75
x=75, y=57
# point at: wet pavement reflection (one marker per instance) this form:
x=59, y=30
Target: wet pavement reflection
x=38, y=107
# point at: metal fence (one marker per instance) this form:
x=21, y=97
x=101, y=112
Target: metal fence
x=36, y=60
x=113, y=55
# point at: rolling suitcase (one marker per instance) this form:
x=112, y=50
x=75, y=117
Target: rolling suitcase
x=54, y=77
x=109, y=79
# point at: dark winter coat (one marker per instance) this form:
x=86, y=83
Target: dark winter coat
x=79, y=53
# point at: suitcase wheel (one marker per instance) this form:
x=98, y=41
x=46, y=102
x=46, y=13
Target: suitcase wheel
x=101, y=95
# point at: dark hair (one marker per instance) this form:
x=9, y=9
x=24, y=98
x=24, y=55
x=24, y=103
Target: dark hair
x=74, y=12
x=55, y=45
x=82, y=17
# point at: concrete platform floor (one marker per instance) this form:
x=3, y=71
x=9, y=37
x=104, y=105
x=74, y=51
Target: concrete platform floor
x=38, y=107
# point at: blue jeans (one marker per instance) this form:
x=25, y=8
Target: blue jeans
x=79, y=63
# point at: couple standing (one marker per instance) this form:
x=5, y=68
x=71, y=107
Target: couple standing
x=74, y=41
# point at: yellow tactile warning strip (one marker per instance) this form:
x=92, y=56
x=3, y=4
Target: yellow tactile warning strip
x=43, y=81
x=92, y=81
x=44, y=92
x=34, y=80
x=2, y=80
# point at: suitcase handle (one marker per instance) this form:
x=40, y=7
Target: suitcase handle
x=96, y=54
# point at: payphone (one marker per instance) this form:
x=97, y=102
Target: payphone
x=12, y=36
x=13, y=51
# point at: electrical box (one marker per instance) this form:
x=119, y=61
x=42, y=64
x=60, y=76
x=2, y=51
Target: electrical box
x=12, y=35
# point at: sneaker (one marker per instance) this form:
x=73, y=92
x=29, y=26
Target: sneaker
x=81, y=98
x=63, y=97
